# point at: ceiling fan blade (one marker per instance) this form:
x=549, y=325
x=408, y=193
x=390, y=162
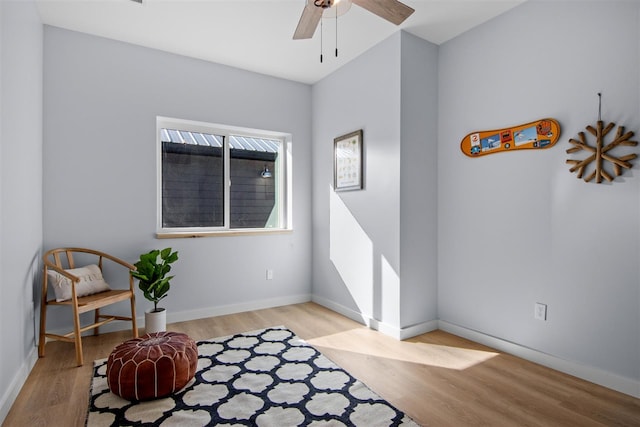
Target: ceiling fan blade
x=308, y=22
x=391, y=10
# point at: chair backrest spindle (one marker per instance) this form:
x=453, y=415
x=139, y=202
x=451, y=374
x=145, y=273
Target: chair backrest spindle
x=56, y=258
x=70, y=259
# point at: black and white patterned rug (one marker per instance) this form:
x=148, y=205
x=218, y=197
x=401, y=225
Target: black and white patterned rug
x=268, y=377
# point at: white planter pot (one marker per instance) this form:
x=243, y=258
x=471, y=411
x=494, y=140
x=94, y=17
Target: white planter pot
x=155, y=321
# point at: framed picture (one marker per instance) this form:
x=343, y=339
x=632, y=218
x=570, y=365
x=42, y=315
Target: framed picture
x=347, y=158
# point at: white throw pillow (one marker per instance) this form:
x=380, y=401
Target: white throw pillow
x=91, y=282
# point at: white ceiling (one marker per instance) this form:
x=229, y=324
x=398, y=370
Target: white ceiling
x=256, y=35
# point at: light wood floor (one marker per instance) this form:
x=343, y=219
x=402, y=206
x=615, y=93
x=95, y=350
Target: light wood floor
x=438, y=379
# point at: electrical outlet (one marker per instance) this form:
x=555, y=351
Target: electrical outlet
x=269, y=274
x=540, y=312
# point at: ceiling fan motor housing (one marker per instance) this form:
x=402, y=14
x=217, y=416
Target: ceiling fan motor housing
x=324, y=4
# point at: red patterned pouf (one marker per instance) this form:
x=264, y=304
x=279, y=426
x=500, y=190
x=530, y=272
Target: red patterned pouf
x=152, y=366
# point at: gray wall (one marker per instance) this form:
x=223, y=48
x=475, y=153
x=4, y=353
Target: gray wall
x=518, y=228
x=20, y=190
x=375, y=249
x=354, y=231
x=101, y=102
x=418, y=181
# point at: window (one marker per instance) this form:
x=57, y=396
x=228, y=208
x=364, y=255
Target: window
x=217, y=179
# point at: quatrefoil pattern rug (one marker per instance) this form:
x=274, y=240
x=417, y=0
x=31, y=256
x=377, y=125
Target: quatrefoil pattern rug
x=268, y=377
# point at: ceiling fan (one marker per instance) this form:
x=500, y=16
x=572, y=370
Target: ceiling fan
x=391, y=10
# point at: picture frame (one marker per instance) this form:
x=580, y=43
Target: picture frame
x=348, y=162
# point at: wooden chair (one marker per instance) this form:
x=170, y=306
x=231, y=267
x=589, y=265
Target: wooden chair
x=63, y=258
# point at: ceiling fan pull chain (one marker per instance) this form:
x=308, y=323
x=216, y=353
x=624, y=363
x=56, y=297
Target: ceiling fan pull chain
x=321, y=41
x=337, y=6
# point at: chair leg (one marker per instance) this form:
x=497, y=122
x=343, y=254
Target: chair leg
x=96, y=318
x=43, y=323
x=78, y=336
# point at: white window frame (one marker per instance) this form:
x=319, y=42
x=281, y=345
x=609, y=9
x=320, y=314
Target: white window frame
x=283, y=189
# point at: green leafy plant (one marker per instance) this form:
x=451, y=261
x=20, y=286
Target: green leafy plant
x=151, y=271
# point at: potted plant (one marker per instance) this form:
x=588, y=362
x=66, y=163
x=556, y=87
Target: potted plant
x=151, y=271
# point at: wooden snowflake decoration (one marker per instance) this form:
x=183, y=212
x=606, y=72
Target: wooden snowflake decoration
x=600, y=153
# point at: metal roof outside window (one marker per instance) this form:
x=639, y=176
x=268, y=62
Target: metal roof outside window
x=235, y=142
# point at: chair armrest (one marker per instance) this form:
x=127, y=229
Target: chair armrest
x=102, y=255
x=65, y=273
x=119, y=261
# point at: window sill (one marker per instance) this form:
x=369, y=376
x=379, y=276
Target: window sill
x=221, y=233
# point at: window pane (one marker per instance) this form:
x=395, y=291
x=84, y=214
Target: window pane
x=192, y=185
x=254, y=198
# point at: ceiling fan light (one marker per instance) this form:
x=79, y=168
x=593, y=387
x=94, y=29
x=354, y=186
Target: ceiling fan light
x=342, y=7
x=339, y=7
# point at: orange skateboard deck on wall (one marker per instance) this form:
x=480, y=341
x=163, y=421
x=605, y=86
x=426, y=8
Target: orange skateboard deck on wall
x=542, y=133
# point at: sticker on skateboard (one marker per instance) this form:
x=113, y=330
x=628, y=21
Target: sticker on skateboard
x=542, y=133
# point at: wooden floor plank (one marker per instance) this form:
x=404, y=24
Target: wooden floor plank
x=437, y=378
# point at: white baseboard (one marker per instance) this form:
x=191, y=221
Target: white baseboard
x=385, y=328
x=9, y=396
x=606, y=379
x=341, y=309
x=419, y=329
x=201, y=313
x=404, y=333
